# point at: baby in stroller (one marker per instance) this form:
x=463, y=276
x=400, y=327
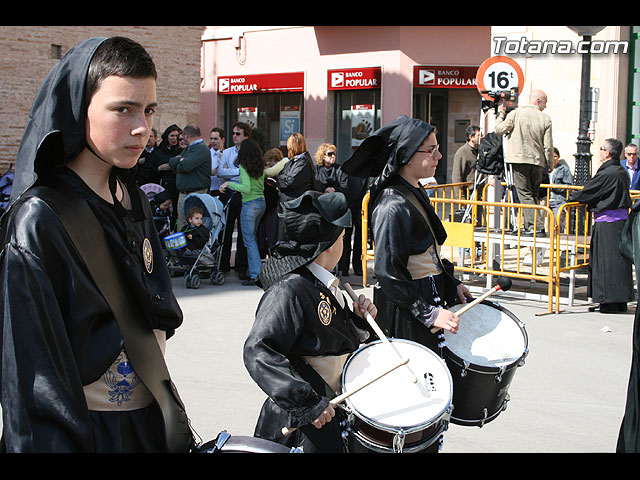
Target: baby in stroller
x=196, y=250
x=196, y=233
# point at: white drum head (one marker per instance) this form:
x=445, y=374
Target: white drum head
x=487, y=337
x=394, y=401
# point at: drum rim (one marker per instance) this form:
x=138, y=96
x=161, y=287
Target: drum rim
x=391, y=428
x=416, y=447
x=477, y=368
x=174, y=235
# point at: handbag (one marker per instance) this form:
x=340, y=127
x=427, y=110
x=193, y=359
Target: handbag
x=140, y=342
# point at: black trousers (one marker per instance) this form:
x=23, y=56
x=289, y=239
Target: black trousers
x=233, y=201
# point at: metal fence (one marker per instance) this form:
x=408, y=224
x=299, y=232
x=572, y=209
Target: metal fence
x=485, y=238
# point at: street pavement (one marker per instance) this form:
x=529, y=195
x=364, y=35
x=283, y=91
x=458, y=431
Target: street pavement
x=568, y=397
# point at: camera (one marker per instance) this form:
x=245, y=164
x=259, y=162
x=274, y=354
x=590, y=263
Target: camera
x=508, y=97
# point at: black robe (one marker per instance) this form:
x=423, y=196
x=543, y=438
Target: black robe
x=629, y=434
x=333, y=177
x=610, y=274
x=290, y=324
x=59, y=334
x=296, y=177
x=400, y=230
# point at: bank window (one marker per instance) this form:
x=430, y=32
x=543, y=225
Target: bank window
x=273, y=117
x=357, y=115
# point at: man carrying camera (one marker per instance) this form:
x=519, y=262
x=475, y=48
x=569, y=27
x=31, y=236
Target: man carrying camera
x=529, y=152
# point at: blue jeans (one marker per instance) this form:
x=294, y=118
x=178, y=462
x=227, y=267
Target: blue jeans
x=250, y=216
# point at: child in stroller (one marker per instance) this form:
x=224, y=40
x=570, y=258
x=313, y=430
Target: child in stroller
x=161, y=206
x=198, y=258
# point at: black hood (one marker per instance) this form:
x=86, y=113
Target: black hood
x=312, y=222
x=55, y=131
x=381, y=154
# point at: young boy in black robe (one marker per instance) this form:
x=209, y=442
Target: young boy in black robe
x=414, y=285
x=304, y=329
x=67, y=383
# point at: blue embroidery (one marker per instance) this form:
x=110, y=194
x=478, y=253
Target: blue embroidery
x=121, y=391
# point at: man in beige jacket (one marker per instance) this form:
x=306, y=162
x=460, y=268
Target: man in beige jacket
x=529, y=152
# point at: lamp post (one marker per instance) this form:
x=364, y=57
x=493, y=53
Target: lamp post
x=583, y=154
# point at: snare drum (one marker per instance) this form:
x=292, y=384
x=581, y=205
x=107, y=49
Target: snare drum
x=483, y=357
x=393, y=414
x=175, y=241
x=226, y=443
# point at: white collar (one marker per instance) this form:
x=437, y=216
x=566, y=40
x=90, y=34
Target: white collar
x=328, y=280
x=322, y=274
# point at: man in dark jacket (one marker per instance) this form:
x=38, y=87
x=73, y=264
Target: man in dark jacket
x=193, y=168
x=607, y=196
x=631, y=165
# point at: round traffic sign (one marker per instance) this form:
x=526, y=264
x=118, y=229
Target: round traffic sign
x=499, y=74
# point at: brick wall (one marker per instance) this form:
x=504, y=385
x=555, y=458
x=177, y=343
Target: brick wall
x=26, y=58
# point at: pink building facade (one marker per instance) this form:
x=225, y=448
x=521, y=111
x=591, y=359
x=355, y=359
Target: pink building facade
x=337, y=84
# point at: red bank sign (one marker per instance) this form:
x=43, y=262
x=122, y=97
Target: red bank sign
x=261, y=83
x=443, y=76
x=354, y=78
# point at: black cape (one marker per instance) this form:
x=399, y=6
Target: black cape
x=58, y=333
x=610, y=274
x=291, y=323
x=629, y=435
x=400, y=230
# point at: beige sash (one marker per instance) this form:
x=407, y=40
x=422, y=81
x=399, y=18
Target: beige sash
x=330, y=368
x=119, y=388
x=424, y=264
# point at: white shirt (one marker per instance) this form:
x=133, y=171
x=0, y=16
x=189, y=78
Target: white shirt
x=216, y=156
x=227, y=170
x=328, y=280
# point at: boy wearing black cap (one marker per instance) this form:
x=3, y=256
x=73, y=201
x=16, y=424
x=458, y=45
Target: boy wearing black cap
x=304, y=330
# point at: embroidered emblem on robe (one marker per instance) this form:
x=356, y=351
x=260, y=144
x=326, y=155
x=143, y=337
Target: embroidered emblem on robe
x=123, y=383
x=147, y=255
x=324, y=312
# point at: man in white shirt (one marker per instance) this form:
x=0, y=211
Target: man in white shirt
x=216, y=147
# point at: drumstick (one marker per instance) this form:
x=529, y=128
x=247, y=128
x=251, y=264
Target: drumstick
x=378, y=330
x=341, y=398
x=504, y=284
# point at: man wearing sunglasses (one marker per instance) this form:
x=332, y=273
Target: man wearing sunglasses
x=229, y=171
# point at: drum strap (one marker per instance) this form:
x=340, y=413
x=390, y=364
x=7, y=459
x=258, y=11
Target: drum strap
x=309, y=374
x=140, y=342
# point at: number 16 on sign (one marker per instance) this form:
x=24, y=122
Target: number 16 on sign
x=499, y=74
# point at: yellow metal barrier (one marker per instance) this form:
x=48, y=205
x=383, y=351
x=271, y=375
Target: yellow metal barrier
x=495, y=240
x=504, y=240
x=573, y=241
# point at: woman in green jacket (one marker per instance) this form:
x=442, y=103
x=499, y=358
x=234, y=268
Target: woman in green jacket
x=251, y=186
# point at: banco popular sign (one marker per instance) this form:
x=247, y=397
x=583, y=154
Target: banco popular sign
x=354, y=78
x=442, y=76
x=261, y=83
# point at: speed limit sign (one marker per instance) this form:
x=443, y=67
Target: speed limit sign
x=498, y=74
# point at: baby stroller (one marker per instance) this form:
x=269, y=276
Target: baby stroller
x=206, y=262
x=162, y=209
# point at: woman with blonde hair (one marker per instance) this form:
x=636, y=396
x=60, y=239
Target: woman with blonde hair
x=330, y=177
x=298, y=174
